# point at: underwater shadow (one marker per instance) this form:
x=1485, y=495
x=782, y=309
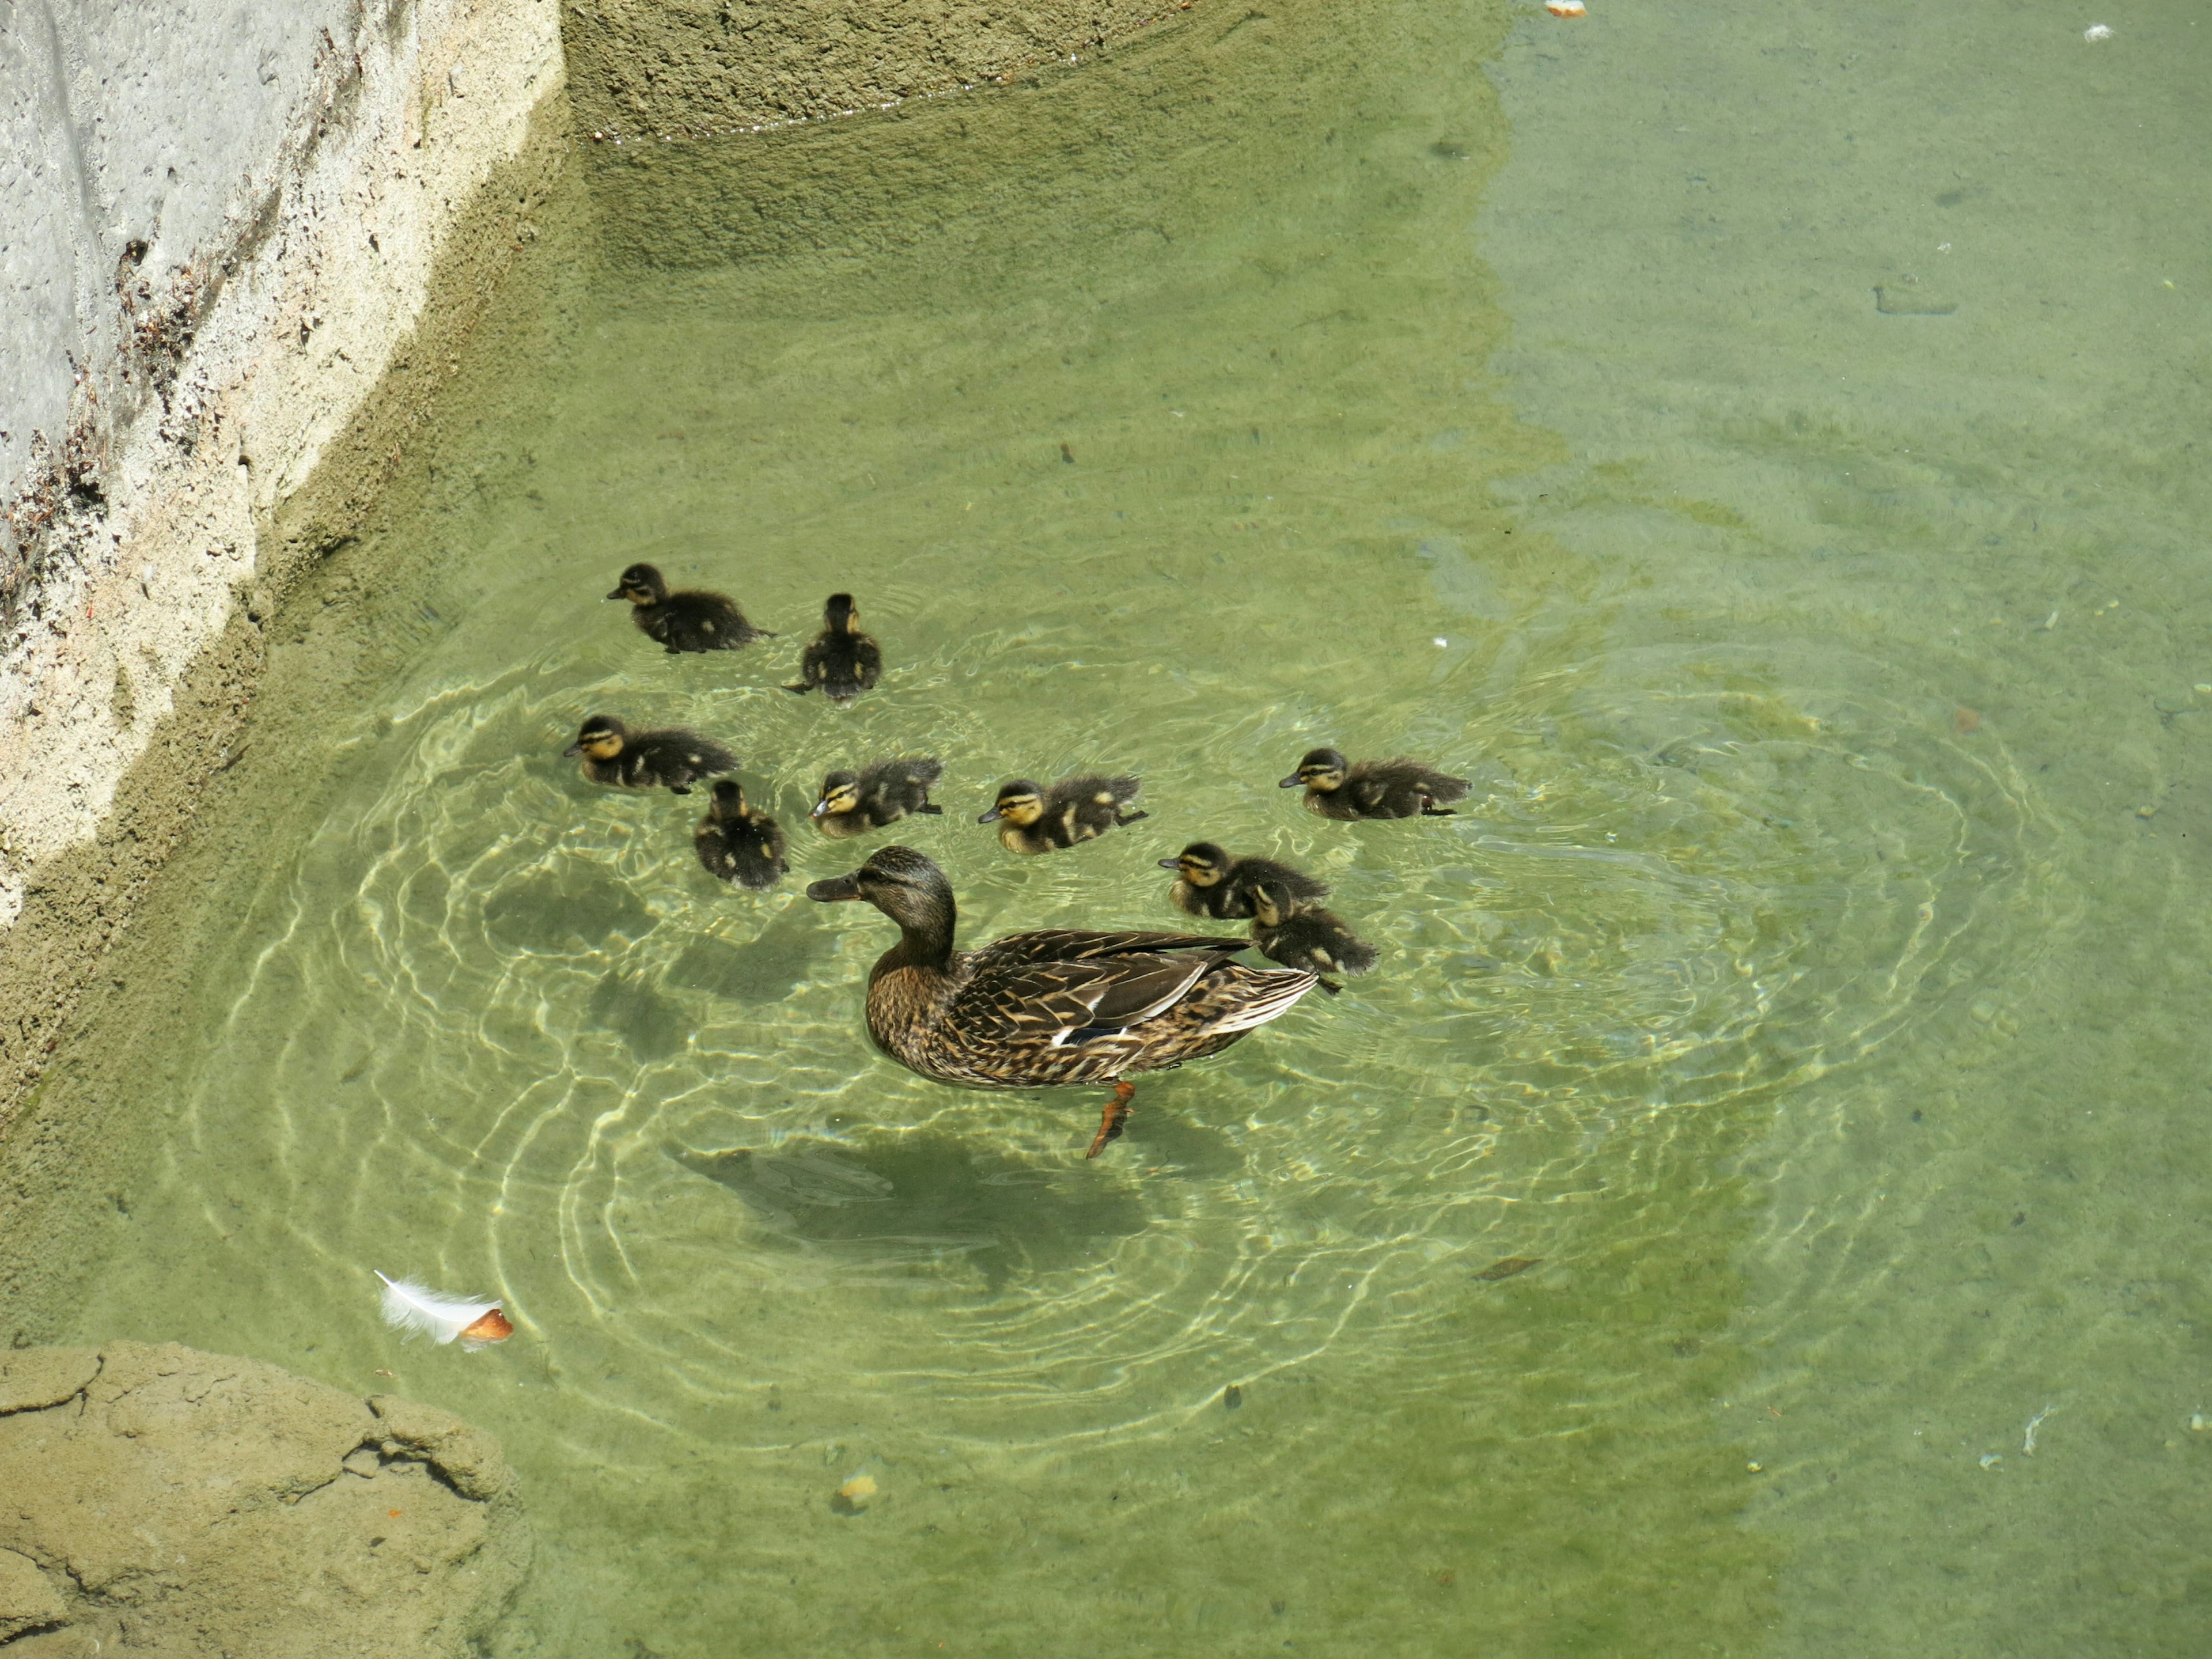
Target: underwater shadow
x=925, y=1197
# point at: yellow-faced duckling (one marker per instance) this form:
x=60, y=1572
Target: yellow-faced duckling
x=853, y=803
x=1337, y=789
x=1035, y=1010
x=1034, y=820
x=739, y=843
x=842, y=662
x=1310, y=938
x=1210, y=882
x=690, y=621
x=648, y=760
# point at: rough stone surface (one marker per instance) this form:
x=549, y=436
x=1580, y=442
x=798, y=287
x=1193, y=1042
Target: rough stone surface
x=221, y=221
x=187, y=1503
x=32, y=1377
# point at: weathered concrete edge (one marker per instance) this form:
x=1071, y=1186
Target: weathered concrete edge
x=295, y=365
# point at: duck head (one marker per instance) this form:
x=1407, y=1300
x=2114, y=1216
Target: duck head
x=907, y=887
x=841, y=614
x=600, y=738
x=841, y=793
x=1020, y=803
x=1201, y=864
x=641, y=585
x=1322, y=769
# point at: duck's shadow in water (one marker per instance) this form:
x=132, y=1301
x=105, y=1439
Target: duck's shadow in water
x=906, y=1200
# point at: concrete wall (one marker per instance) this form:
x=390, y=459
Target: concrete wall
x=220, y=220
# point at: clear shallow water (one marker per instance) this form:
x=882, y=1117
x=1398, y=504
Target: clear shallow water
x=1801, y=935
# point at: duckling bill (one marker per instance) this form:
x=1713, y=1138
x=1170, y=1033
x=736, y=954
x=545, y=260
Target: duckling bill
x=841, y=661
x=672, y=759
x=1211, y=883
x=1045, y=1009
x=739, y=843
x=1031, y=819
x=1401, y=788
x=691, y=620
x=1307, y=938
x=882, y=793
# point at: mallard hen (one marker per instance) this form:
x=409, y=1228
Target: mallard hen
x=1062, y=1006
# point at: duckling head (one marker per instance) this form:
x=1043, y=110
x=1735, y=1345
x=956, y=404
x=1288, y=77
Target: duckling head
x=729, y=800
x=1201, y=864
x=600, y=736
x=839, y=614
x=1020, y=803
x=901, y=882
x=841, y=793
x=1322, y=768
x=1270, y=903
x=641, y=585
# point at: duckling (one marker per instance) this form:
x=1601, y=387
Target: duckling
x=648, y=760
x=739, y=843
x=883, y=793
x=1312, y=938
x=1400, y=788
x=1212, y=883
x=1075, y=809
x=690, y=621
x=842, y=661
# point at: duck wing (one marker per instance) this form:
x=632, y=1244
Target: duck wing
x=1055, y=985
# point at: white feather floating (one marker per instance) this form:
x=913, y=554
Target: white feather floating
x=411, y=1308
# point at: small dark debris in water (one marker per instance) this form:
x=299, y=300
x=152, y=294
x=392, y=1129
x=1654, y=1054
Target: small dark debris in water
x=1449, y=151
x=1509, y=1267
x=1965, y=720
x=1445, y=1579
x=1232, y=1397
x=2020, y=1217
x=1068, y=454
x=1279, y=1607
x=1916, y=1114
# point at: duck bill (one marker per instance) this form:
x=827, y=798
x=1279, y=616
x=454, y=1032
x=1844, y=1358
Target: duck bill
x=618, y=594
x=991, y=816
x=1170, y=864
x=835, y=890
x=572, y=751
x=1290, y=782
x=821, y=810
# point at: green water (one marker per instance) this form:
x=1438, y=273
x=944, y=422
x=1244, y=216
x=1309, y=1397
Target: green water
x=1812, y=982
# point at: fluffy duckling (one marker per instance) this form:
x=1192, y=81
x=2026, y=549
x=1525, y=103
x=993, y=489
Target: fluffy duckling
x=648, y=760
x=690, y=621
x=842, y=662
x=1337, y=789
x=854, y=802
x=738, y=843
x=1210, y=882
x=1034, y=820
x=1314, y=939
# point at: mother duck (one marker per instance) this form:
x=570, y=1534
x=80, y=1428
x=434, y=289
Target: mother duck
x=1059, y=1007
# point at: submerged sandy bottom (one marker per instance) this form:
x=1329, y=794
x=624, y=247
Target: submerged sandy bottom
x=1804, y=985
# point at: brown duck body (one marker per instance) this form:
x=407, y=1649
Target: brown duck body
x=1060, y=1006
x=841, y=661
x=739, y=843
x=1400, y=788
x=1216, y=885
x=691, y=620
x=672, y=758
x=1033, y=1010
